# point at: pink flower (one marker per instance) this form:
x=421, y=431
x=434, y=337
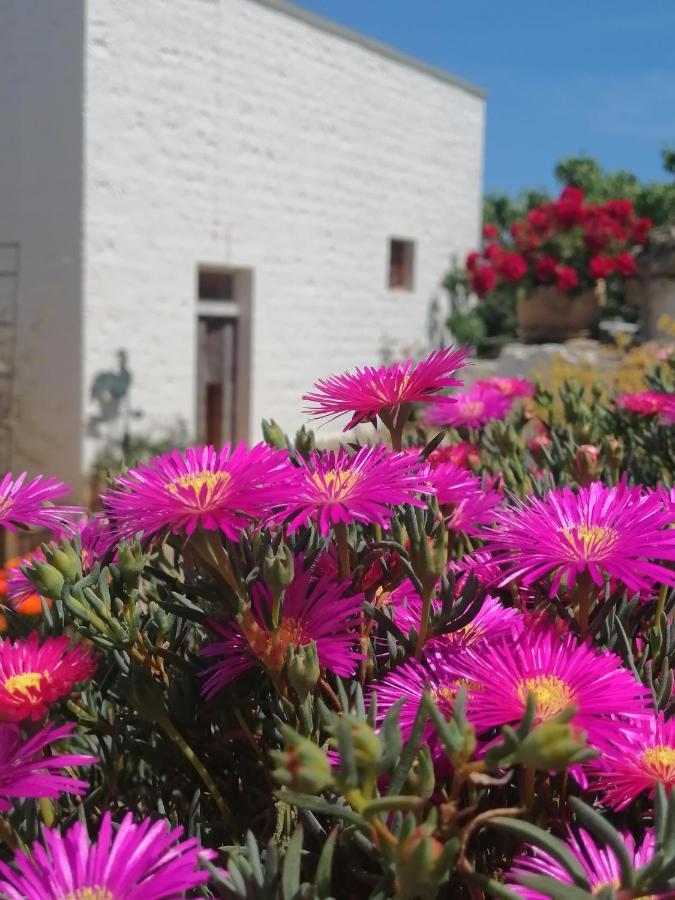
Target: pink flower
x=28, y=503
x=492, y=621
x=409, y=681
x=224, y=489
x=509, y=387
x=462, y=454
x=490, y=231
x=646, y=403
x=600, y=865
x=638, y=758
x=566, y=278
x=313, y=609
x=472, y=408
x=625, y=264
x=512, y=267
x=147, y=861
x=33, y=675
x=545, y=269
x=616, y=532
x=367, y=393
x=26, y=772
x=339, y=487
x=558, y=672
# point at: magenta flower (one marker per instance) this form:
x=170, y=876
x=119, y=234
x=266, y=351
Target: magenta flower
x=145, y=861
x=337, y=487
x=367, y=393
x=410, y=680
x=473, y=408
x=645, y=403
x=492, y=621
x=28, y=503
x=509, y=387
x=214, y=489
x=465, y=503
x=26, y=772
x=600, y=864
x=605, y=531
x=480, y=564
x=637, y=759
x=313, y=609
x=558, y=672
x=34, y=675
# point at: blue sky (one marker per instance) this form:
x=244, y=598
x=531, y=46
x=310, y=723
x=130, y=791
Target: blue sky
x=595, y=77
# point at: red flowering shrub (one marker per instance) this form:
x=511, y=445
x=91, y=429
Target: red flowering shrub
x=566, y=242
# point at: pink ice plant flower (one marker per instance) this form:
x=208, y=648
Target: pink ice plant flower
x=644, y=403
x=338, y=487
x=480, y=564
x=314, y=608
x=638, y=758
x=29, y=503
x=144, y=861
x=600, y=865
x=467, y=505
x=34, y=675
x=558, y=672
x=509, y=387
x=213, y=489
x=471, y=409
x=368, y=393
x=491, y=622
x=26, y=772
x=616, y=532
x=440, y=675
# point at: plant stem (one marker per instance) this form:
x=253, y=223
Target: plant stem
x=172, y=732
x=660, y=606
x=342, y=541
x=427, y=596
x=276, y=609
x=527, y=787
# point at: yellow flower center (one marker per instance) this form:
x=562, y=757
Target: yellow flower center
x=337, y=483
x=444, y=696
x=271, y=648
x=592, y=540
x=550, y=692
x=25, y=683
x=89, y=893
x=596, y=888
x=473, y=407
x=198, y=481
x=660, y=761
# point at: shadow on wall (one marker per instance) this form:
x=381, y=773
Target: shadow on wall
x=110, y=393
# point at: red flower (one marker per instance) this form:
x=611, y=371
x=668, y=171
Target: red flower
x=539, y=218
x=490, y=231
x=601, y=266
x=472, y=261
x=512, y=267
x=545, y=269
x=566, y=278
x=569, y=208
x=619, y=209
x=641, y=229
x=483, y=280
x=494, y=252
x=625, y=264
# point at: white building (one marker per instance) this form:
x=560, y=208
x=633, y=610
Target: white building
x=240, y=196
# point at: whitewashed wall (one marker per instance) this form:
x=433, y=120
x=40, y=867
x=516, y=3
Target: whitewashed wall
x=41, y=68
x=233, y=132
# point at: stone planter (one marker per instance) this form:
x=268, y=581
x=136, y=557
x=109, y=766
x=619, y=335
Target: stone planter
x=545, y=315
x=653, y=291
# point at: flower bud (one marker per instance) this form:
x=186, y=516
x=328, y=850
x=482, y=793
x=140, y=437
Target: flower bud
x=66, y=561
x=417, y=858
x=367, y=746
x=305, y=442
x=551, y=746
x=302, y=766
x=130, y=562
x=303, y=668
x=273, y=435
x=278, y=569
x=46, y=579
x=587, y=464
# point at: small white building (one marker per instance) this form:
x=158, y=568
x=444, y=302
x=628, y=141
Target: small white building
x=211, y=203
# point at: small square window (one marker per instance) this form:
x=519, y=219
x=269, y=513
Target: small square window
x=215, y=284
x=401, y=264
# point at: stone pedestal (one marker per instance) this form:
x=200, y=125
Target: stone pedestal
x=653, y=291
